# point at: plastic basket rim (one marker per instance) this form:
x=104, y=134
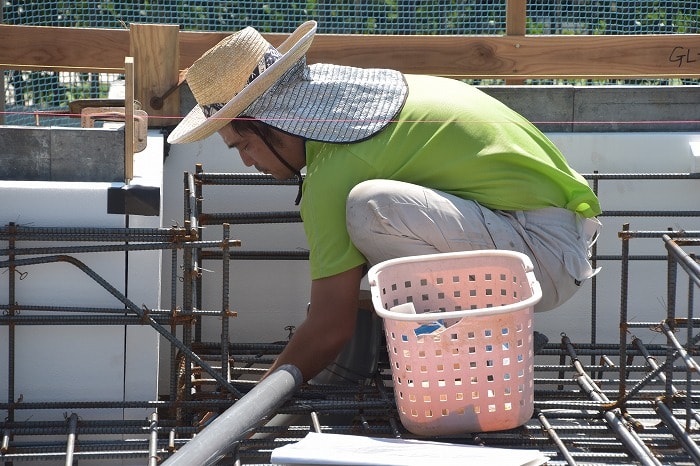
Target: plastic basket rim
x=430, y=316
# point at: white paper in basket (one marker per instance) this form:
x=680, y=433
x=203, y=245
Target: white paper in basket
x=336, y=449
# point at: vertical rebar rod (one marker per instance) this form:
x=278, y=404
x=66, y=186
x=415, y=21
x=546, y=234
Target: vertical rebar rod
x=197, y=259
x=173, y=327
x=624, y=288
x=225, y=311
x=153, y=440
x=171, y=440
x=186, y=373
x=11, y=303
x=689, y=263
x=689, y=337
x=70, y=444
x=671, y=273
x=190, y=270
x=383, y=392
x=191, y=212
x=5, y=444
x=562, y=363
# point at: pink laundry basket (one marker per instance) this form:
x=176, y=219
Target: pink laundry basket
x=463, y=362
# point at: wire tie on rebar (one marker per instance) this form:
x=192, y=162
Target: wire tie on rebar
x=656, y=328
x=290, y=329
x=196, y=272
x=663, y=399
x=236, y=243
x=178, y=233
x=145, y=317
x=634, y=423
x=186, y=318
x=229, y=313
x=178, y=317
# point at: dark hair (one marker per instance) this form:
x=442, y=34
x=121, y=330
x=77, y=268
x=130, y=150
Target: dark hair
x=245, y=124
x=265, y=132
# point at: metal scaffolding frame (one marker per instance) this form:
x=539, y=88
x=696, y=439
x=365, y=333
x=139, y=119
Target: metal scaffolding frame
x=625, y=402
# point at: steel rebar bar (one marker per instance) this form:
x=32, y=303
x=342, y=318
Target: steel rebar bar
x=678, y=432
x=70, y=443
x=627, y=436
x=135, y=309
x=153, y=440
x=552, y=433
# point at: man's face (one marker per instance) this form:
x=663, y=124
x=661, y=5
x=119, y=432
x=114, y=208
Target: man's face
x=254, y=152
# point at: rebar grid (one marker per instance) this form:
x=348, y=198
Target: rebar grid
x=632, y=403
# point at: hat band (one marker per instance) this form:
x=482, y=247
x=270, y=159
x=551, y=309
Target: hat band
x=270, y=56
x=211, y=109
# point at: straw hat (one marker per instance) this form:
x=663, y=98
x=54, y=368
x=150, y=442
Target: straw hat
x=245, y=75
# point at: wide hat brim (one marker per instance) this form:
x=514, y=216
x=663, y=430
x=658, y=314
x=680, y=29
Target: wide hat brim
x=196, y=125
x=321, y=102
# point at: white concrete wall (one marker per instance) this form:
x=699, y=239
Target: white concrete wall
x=270, y=295
x=628, y=153
x=57, y=363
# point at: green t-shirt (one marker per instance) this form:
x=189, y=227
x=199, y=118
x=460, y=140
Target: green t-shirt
x=449, y=136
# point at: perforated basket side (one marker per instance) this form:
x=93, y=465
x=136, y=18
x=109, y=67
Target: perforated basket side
x=475, y=376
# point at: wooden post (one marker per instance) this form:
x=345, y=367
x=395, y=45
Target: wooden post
x=156, y=52
x=516, y=24
x=128, y=119
x=516, y=17
x=2, y=95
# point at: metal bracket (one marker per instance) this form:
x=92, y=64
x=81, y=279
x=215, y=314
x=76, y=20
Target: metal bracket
x=89, y=115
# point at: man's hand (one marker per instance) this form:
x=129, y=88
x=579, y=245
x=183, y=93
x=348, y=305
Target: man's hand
x=329, y=324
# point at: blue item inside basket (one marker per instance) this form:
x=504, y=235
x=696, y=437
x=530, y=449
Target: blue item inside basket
x=430, y=327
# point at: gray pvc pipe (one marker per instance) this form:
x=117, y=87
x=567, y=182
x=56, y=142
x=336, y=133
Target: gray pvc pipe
x=220, y=437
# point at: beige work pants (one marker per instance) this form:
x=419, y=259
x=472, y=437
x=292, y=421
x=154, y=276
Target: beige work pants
x=388, y=219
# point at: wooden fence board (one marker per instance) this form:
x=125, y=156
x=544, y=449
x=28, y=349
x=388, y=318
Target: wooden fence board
x=610, y=57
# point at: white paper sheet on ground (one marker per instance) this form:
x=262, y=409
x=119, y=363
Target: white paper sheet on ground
x=335, y=449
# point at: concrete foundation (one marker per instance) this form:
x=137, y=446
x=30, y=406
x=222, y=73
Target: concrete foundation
x=61, y=154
